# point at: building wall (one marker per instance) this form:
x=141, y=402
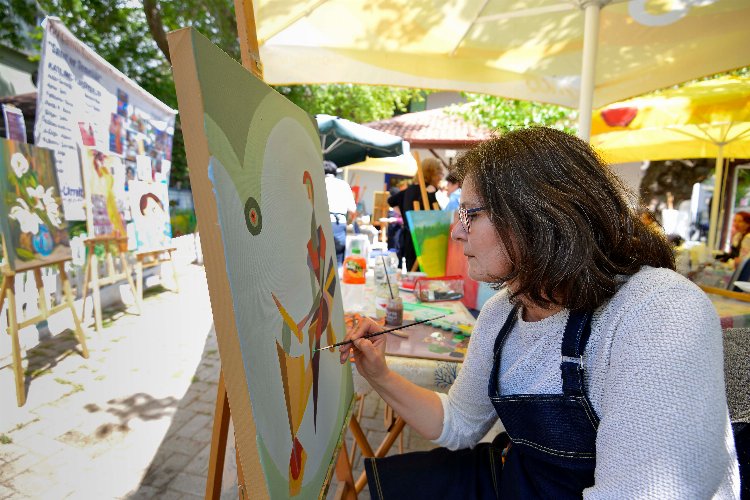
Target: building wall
x=15, y=73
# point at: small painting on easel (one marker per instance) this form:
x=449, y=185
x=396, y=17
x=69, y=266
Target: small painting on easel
x=104, y=183
x=149, y=204
x=31, y=218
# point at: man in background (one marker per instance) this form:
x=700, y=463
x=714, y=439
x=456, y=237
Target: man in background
x=341, y=206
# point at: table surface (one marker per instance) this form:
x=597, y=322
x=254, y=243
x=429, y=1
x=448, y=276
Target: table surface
x=432, y=341
x=732, y=313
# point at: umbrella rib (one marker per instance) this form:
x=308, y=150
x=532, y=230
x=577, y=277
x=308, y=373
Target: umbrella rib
x=561, y=7
x=333, y=145
x=468, y=28
x=738, y=136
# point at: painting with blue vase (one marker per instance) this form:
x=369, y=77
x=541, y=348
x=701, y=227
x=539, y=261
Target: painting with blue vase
x=31, y=218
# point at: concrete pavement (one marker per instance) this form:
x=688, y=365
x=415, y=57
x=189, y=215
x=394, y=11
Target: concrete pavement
x=134, y=420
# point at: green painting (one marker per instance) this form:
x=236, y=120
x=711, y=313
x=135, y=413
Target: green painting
x=33, y=226
x=264, y=167
x=430, y=232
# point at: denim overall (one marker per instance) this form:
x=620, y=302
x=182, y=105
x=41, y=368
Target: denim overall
x=552, y=452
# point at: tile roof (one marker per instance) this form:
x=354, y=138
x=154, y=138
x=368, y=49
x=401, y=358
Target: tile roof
x=434, y=128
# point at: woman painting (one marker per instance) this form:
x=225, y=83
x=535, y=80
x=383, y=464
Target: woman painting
x=603, y=365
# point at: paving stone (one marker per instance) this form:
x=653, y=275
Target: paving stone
x=201, y=407
x=199, y=424
x=199, y=463
x=143, y=492
x=191, y=484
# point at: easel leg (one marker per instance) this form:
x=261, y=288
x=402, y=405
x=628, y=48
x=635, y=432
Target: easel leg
x=41, y=299
x=126, y=270
x=174, y=273
x=219, y=443
x=390, y=438
x=346, y=488
x=69, y=300
x=85, y=292
x=95, y=288
x=139, y=278
x=10, y=292
x=241, y=490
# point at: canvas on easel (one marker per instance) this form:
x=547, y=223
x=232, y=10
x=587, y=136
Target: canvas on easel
x=104, y=186
x=34, y=235
x=257, y=177
x=31, y=218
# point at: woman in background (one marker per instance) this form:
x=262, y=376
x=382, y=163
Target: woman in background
x=740, y=245
x=403, y=201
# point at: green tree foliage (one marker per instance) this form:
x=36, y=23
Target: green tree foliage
x=359, y=103
x=499, y=113
x=132, y=37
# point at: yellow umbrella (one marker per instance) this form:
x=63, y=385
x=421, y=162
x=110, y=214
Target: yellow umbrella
x=567, y=52
x=709, y=119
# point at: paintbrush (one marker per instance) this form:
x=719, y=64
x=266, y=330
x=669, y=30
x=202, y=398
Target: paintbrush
x=380, y=333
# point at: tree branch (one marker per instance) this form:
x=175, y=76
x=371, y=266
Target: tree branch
x=156, y=26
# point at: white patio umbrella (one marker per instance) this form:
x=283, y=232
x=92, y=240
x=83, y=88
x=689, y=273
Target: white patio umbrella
x=572, y=53
x=399, y=165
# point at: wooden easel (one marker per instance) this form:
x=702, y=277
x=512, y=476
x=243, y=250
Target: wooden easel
x=8, y=289
x=152, y=258
x=91, y=274
x=251, y=61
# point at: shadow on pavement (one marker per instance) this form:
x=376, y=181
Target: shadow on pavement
x=180, y=466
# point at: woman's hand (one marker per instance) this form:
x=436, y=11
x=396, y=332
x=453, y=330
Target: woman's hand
x=369, y=354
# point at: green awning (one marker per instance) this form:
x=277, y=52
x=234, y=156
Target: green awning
x=345, y=142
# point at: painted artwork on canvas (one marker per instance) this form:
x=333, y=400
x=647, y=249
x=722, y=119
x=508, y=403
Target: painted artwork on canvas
x=430, y=232
x=149, y=206
x=104, y=185
x=33, y=225
x=264, y=164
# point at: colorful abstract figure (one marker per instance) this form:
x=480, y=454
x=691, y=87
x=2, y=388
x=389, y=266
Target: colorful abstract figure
x=298, y=377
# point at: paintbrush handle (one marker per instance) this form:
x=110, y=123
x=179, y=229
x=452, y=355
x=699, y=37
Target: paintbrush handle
x=375, y=334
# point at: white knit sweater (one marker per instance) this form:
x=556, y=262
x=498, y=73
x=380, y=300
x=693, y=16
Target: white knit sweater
x=654, y=374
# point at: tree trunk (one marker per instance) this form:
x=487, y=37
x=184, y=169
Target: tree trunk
x=156, y=26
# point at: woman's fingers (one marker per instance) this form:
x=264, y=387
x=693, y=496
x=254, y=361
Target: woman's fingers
x=365, y=327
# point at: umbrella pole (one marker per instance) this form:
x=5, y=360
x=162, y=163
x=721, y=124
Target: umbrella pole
x=588, y=68
x=716, y=201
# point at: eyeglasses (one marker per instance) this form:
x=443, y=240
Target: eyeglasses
x=466, y=214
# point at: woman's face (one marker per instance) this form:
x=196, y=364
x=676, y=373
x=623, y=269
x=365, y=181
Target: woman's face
x=740, y=225
x=487, y=256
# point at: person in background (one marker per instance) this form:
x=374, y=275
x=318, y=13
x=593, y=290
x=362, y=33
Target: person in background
x=740, y=245
x=603, y=364
x=403, y=201
x=453, y=186
x=341, y=206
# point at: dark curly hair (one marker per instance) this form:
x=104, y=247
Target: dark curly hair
x=563, y=216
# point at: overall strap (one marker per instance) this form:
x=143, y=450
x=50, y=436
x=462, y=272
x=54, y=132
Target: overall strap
x=505, y=330
x=577, y=332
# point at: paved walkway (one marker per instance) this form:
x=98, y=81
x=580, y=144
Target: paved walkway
x=134, y=420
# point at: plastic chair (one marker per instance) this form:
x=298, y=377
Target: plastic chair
x=742, y=273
